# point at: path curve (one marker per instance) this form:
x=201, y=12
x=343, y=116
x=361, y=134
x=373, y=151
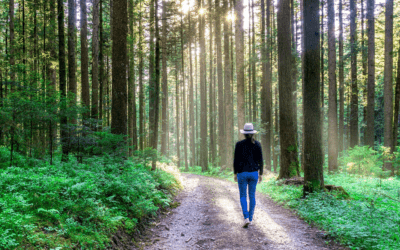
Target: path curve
x=210, y=217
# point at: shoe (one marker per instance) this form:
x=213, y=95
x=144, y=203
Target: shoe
x=250, y=223
x=246, y=223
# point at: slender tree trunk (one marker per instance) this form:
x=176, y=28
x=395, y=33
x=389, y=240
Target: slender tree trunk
x=248, y=104
x=192, y=100
x=253, y=65
x=152, y=86
x=12, y=50
x=276, y=139
x=313, y=171
x=177, y=129
x=72, y=88
x=119, y=67
x=211, y=88
x=289, y=162
x=101, y=69
x=95, y=64
x=388, y=80
x=322, y=81
x=203, y=95
x=369, y=138
x=354, y=88
x=141, y=90
x=221, y=103
x=85, y=57
x=51, y=70
x=332, y=109
x=239, y=45
x=62, y=79
x=266, y=97
x=227, y=91
x=184, y=98
x=164, y=80
x=364, y=73
x=131, y=85
x=341, y=80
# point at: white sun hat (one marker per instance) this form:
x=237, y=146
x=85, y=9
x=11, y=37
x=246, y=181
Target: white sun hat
x=248, y=129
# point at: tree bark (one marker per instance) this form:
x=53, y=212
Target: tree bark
x=184, y=98
x=341, y=81
x=119, y=67
x=101, y=69
x=227, y=91
x=85, y=57
x=388, y=80
x=62, y=79
x=364, y=73
x=289, y=162
x=152, y=83
x=141, y=90
x=354, y=88
x=192, y=100
x=369, y=138
x=164, y=80
x=313, y=171
x=72, y=88
x=95, y=65
x=177, y=129
x=132, y=86
x=211, y=88
x=253, y=66
x=239, y=45
x=322, y=81
x=396, y=105
x=12, y=50
x=332, y=109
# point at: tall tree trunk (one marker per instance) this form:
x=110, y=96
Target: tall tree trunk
x=203, y=94
x=184, y=98
x=388, y=80
x=101, y=69
x=313, y=171
x=341, y=80
x=164, y=80
x=248, y=104
x=294, y=74
x=289, y=161
x=157, y=85
x=369, y=137
x=253, y=65
x=51, y=70
x=266, y=97
x=12, y=50
x=177, y=129
x=227, y=91
x=62, y=79
x=141, y=88
x=131, y=85
x=72, y=88
x=95, y=65
x=211, y=88
x=192, y=100
x=364, y=73
x=119, y=67
x=332, y=109
x=354, y=88
x=239, y=45
x=322, y=81
x=85, y=57
x=152, y=86
x=221, y=106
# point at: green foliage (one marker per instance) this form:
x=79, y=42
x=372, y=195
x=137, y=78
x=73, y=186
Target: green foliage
x=368, y=220
x=212, y=171
x=70, y=204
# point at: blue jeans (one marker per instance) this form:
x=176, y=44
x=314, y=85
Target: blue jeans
x=250, y=179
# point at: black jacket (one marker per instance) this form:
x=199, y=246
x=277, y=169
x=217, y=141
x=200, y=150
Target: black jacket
x=248, y=157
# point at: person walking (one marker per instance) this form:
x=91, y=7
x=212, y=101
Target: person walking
x=248, y=169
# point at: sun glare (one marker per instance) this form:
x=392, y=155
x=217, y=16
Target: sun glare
x=202, y=11
x=231, y=17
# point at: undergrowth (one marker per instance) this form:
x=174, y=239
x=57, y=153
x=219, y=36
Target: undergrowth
x=71, y=205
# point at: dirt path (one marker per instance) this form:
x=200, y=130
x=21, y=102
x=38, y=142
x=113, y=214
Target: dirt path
x=210, y=217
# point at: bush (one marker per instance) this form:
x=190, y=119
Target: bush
x=70, y=203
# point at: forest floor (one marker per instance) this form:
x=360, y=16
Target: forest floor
x=209, y=217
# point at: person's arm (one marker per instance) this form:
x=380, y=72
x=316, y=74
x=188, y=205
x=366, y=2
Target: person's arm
x=261, y=164
x=235, y=163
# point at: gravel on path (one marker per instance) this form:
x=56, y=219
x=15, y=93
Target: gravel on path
x=210, y=217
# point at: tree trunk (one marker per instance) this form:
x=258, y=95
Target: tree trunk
x=101, y=70
x=211, y=88
x=289, y=162
x=364, y=73
x=369, y=138
x=322, y=81
x=152, y=83
x=341, y=80
x=388, y=80
x=266, y=97
x=313, y=171
x=177, y=129
x=227, y=91
x=253, y=66
x=72, y=88
x=12, y=50
x=332, y=109
x=248, y=104
x=396, y=105
x=239, y=45
x=164, y=80
x=119, y=67
x=62, y=79
x=141, y=91
x=184, y=98
x=95, y=65
x=85, y=57
x=131, y=85
x=51, y=70
x=192, y=100
x=354, y=88
x=221, y=103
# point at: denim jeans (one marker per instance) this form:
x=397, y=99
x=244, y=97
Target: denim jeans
x=248, y=179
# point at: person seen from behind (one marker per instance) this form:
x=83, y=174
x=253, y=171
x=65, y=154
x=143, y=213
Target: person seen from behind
x=248, y=169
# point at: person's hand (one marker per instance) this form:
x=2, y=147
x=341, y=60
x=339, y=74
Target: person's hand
x=235, y=178
x=259, y=178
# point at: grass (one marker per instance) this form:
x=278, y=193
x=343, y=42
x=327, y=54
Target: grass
x=369, y=219
x=71, y=205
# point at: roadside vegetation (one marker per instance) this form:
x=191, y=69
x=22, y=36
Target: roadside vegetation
x=368, y=219
x=70, y=205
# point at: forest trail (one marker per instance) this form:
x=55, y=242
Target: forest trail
x=210, y=217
